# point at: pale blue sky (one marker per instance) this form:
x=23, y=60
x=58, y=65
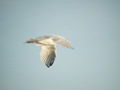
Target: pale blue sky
x=92, y=27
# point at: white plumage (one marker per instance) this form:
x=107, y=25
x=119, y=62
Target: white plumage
x=48, y=44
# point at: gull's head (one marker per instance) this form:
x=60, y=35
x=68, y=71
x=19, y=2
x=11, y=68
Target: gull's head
x=30, y=41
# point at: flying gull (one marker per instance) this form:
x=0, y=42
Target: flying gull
x=48, y=44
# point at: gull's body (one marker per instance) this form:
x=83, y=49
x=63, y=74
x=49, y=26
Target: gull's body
x=48, y=44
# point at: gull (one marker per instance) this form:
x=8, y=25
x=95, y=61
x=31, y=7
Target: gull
x=48, y=44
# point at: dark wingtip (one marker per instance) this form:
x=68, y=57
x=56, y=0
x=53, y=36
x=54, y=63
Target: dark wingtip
x=48, y=66
x=72, y=48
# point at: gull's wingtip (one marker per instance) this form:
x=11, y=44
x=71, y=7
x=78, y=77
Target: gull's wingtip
x=72, y=48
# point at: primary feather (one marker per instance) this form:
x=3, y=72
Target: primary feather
x=48, y=44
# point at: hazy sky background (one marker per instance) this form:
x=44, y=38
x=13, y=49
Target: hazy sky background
x=92, y=27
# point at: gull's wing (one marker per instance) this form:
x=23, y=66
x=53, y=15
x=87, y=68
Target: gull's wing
x=61, y=41
x=48, y=55
x=58, y=40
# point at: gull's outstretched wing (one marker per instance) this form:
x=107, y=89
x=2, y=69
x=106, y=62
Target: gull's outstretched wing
x=61, y=41
x=57, y=40
x=48, y=55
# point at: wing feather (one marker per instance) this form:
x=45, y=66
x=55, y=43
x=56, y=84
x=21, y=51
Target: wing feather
x=48, y=55
x=61, y=41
